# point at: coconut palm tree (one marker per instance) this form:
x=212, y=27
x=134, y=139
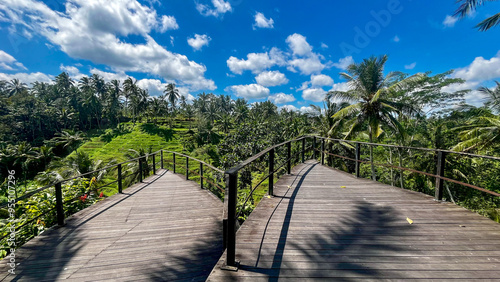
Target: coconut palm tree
x=172, y=94
x=468, y=6
x=480, y=133
x=15, y=87
x=372, y=94
x=493, y=101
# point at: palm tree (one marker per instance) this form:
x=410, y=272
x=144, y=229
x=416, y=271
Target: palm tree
x=480, y=133
x=172, y=94
x=64, y=81
x=15, y=87
x=130, y=89
x=113, y=101
x=493, y=101
x=469, y=6
x=68, y=140
x=373, y=106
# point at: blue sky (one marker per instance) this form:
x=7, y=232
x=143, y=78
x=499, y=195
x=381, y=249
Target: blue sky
x=290, y=52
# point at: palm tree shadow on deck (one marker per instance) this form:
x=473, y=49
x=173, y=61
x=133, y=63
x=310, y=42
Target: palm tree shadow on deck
x=358, y=232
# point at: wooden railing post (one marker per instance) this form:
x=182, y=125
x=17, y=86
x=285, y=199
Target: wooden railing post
x=231, y=219
x=161, y=159
x=201, y=175
x=303, y=149
x=271, y=172
x=173, y=160
x=59, y=204
x=440, y=165
x=322, y=151
x=314, y=148
x=120, y=187
x=154, y=165
x=187, y=168
x=358, y=156
x=289, y=157
x=140, y=169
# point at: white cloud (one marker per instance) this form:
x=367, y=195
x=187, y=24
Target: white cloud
x=281, y=98
x=168, y=23
x=309, y=110
x=324, y=46
x=8, y=62
x=289, y=108
x=220, y=7
x=342, y=86
x=199, y=41
x=396, y=39
x=262, y=22
x=307, y=66
x=304, y=58
x=271, y=78
x=90, y=30
x=321, y=80
x=480, y=69
x=411, y=66
x=250, y=91
x=343, y=63
x=314, y=94
x=449, y=21
x=298, y=44
x=28, y=78
x=255, y=62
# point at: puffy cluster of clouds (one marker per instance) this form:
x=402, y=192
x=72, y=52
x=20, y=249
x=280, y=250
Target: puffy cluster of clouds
x=250, y=91
x=478, y=73
x=262, y=22
x=92, y=30
x=298, y=58
x=219, y=7
x=281, y=98
x=198, y=41
x=271, y=78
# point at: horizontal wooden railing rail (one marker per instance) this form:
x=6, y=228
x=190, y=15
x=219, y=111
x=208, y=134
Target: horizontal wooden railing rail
x=440, y=162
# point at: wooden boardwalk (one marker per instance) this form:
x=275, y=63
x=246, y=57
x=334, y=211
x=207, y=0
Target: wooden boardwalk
x=164, y=229
x=316, y=229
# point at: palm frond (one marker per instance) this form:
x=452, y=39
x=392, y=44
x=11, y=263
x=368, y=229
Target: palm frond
x=489, y=23
x=347, y=111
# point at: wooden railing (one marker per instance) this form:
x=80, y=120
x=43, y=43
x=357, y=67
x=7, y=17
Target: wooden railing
x=319, y=148
x=145, y=165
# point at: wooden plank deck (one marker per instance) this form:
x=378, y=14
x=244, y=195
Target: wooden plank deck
x=316, y=230
x=164, y=229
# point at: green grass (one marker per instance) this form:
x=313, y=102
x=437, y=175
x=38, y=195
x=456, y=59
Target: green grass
x=141, y=136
